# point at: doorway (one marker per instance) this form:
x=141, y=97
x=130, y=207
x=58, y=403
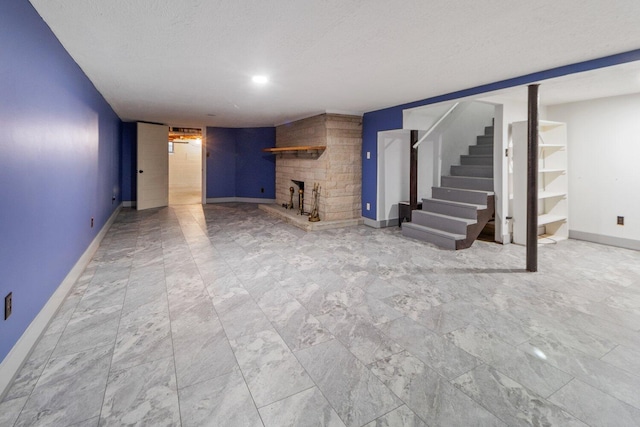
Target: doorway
x=185, y=166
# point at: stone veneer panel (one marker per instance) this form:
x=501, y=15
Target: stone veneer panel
x=338, y=169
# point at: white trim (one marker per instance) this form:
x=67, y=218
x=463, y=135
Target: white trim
x=308, y=116
x=203, y=164
x=345, y=112
x=619, y=242
x=393, y=222
x=239, y=200
x=375, y=223
x=298, y=118
x=18, y=355
x=129, y=204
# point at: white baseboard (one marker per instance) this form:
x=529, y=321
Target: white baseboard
x=129, y=204
x=619, y=242
x=239, y=200
x=382, y=223
x=18, y=355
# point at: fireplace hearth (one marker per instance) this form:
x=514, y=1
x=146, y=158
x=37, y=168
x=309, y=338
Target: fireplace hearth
x=337, y=169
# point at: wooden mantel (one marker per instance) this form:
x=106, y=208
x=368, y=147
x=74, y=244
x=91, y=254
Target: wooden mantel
x=295, y=149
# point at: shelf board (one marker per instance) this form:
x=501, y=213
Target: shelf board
x=550, y=194
x=295, y=149
x=548, y=219
x=551, y=170
x=546, y=125
x=551, y=146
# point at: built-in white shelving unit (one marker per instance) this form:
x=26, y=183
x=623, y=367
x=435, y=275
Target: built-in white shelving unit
x=552, y=181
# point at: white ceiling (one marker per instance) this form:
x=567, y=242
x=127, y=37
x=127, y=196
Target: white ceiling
x=181, y=61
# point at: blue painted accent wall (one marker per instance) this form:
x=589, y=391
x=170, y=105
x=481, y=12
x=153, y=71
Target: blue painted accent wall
x=60, y=164
x=236, y=165
x=129, y=160
x=391, y=118
x=255, y=169
x=372, y=123
x=221, y=162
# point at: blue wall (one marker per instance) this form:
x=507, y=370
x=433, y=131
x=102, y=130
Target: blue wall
x=221, y=162
x=129, y=160
x=236, y=165
x=60, y=164
x=391, y=118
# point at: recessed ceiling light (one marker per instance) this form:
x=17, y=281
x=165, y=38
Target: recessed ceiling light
x=260, y=79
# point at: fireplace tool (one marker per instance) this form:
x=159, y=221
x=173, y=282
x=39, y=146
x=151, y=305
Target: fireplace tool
x=300, y=185
x=314, y=216
x=290, y=204
x=301, y=202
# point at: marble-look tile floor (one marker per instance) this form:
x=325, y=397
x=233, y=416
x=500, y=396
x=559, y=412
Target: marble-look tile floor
x=221, y=315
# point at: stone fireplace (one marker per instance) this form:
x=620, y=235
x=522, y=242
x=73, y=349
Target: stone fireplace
x=337, y=167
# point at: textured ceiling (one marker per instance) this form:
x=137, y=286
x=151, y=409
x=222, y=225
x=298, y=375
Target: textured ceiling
x=179, y=62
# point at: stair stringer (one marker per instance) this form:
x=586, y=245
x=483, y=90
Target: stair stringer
x=474, y=230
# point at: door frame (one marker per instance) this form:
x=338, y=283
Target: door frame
x=204, y=164
x=203, y=160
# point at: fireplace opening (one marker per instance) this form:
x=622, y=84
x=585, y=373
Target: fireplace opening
x=300, y=185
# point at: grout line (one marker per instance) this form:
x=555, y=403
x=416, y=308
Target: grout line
x=113, y=348
x=173, y=351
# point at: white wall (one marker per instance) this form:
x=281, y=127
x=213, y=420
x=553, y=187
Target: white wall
x=185, y=167
x=424, y=117
x=463, y=131
x=508, y=110
x=393, y=172
x=428, y=169
x=604, y=168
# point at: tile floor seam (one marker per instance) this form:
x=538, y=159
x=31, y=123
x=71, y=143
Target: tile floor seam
x=366, y=251
x=610, y=351
x=23, y=406
x=44, y=365
x=278, y=333
x=592, y=383
x=239, y=368
x=173, y=347
x=287, y=397
x=635, y=375
x=566, y=410
x=404, y=402
x=323, y=393
x=106, y=385
x=506, y=422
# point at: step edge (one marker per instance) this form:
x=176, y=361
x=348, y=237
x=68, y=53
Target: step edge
x=487, y=192
x=468, y=221
x=465, y=176
x=441, y=233
x=454, y=203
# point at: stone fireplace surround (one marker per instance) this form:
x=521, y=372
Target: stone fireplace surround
x=337, y=168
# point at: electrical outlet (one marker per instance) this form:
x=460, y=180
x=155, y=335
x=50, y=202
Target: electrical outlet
x=368, y=155
x=620, y=220
x=91, y=222
x=8, y=305
x=262, y=190
x=368, y=206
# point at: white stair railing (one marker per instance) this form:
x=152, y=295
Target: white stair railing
x=435, y=125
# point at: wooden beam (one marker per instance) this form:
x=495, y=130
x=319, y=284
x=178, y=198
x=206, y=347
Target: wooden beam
x=296, y=148
x=532, y=180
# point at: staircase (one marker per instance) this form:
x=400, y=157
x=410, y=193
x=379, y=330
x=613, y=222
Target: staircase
x=463, y=204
